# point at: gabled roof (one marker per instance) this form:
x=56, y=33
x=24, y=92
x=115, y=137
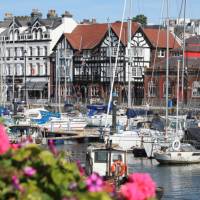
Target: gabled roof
x=88, y=36
x=117, y=26
x=153, y=33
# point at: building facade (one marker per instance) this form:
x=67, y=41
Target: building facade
x=188, y=92
x=94, y=49
x=25, y=46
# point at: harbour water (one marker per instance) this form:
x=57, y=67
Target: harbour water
x=180, y=182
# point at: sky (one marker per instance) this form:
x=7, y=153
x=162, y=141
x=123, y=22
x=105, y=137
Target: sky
x=101, y=10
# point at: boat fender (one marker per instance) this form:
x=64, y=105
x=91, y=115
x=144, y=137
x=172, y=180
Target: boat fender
x=176, y=145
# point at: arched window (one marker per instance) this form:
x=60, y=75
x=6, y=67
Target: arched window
x=11, y=35
x=35, y=34
x=151, y=89
x=38, y=51
x=169, y=89
x=39, y=34
x=31, y=51
x=16, y=34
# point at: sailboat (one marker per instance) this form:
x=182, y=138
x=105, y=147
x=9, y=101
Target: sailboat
x=176, y=152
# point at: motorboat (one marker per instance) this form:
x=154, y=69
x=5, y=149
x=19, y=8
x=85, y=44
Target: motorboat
x=178, y=153
x=100, y=158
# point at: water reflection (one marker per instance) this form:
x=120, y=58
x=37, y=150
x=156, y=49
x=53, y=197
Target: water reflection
x=179, y=182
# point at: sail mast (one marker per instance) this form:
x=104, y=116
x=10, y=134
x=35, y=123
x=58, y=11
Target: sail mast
x=129, y=55
x=167, y=67
x=183, y=63
x=13, y=35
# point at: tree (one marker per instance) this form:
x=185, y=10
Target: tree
x=142, y=19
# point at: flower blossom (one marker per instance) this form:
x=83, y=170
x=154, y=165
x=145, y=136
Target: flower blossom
x=29, y=171
x=81, y=169
x=140, y=186
x=4, y=141
x=16, y=183
x=52, y=147
x=94, y=183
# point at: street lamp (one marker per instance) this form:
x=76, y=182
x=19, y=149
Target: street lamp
x=25, y=99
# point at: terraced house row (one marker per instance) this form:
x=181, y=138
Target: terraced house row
x=57, y=59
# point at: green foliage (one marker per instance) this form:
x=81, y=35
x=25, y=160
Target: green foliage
x=52, y=179
x=142, y=19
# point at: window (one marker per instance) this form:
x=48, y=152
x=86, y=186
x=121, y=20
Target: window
x=45, y=51
x=16, y=53
x=137, y=52
x=111, y=51
x=196, y=89
x=38, y=51
x=169, y=89
x=30, y=51
x=46, y=69
x=151, y=89
x=161, y=53
x=137, y=71
x=39, y=69
x=100, y=156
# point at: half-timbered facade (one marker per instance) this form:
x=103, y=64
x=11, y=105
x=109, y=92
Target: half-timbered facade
x=94, y=49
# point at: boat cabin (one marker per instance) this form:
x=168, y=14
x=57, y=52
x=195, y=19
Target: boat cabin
x=19, y=133
x=100, y=159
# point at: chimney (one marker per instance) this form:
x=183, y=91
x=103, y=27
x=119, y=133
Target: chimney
x=52, y=14
x=67, y=14
x=85, y=21
x=8, y=16
x=93, y=21
x=36, y=14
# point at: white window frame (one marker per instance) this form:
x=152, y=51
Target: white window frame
x=196, y=89
x=151, y=89
x=161, y=53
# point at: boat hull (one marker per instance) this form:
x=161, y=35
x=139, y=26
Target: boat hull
x=177, y=157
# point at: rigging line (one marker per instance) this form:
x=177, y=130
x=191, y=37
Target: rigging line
x=158, y=38
x=179, y=16
x=115, y=66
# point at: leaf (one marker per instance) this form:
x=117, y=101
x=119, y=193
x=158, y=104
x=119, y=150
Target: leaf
x=57, y=176
x=47, y=158
x=21, y=155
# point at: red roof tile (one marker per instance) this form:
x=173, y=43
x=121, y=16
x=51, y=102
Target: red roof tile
x=152, y=35
x=86, y=36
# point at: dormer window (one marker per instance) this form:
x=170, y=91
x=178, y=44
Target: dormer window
x=16, y=34
x=39, y=35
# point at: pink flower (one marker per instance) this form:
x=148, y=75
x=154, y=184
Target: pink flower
x=140, y=187
x=4, y=140
x=16, y=183
x=81, y=169
x=94, y=183
x=52, y=147
x=29, y=171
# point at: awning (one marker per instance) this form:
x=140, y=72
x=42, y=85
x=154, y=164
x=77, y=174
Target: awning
x=35, y=85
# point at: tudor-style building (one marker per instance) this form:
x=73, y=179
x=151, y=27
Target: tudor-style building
x=93, y=50
x=25, y=45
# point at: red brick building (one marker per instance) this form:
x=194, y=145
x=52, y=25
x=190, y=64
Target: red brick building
x=155, y=77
